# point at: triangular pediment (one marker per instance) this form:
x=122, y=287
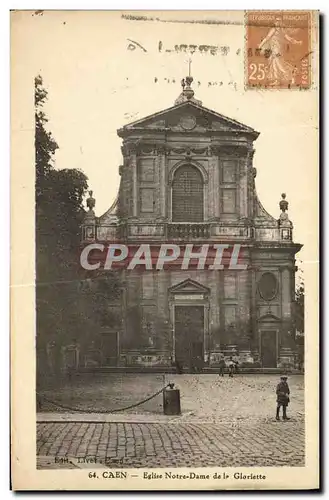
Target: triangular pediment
x=189, y=286
x=269, y=317
x=188, y=116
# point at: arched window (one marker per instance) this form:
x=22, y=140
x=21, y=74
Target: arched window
x=187, y=195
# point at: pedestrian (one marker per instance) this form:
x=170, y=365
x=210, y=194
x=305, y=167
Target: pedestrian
x=230, y=367
x=282, y=392
x=179, y=367
x=199, y=364
x=222, y=366
x=236, y=363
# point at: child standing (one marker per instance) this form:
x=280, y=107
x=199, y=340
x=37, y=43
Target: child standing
x=282, y=393
x=222, y=366
x=230, y=367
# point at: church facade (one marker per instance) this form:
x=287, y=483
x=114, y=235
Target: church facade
x=187, y=177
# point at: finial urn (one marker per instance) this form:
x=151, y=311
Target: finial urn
x=283, y=203
x=91, y=202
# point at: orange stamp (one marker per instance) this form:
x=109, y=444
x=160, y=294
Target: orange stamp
x=278, y=49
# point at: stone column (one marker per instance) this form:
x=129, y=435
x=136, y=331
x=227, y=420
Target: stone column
x=133, y=166
x=172, y=325
x=253, y=309
x=286, y=292
x=214, y=190
x=206, y=331
x=163, y=313
x=287, y=343
x=251, y=175
x=162, y=181
x=243, y=186
x=214, y=309
x=123, y=340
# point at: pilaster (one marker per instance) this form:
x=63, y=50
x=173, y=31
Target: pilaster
x=133, y=166
x=162, y=166
x=214, y=189
x=286, y=298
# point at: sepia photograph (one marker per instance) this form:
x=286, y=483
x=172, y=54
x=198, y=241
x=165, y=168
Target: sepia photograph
x=171, y=329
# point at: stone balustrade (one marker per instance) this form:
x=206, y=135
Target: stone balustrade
x=187, y=231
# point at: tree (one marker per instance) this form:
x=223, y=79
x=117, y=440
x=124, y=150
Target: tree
x=72, y=304
x=59, y=214
x=299, y=308
x=45, y=145
x=299, y=318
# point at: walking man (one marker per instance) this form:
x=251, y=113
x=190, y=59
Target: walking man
x=282, y=392
x=222, y=366
x=230, y=367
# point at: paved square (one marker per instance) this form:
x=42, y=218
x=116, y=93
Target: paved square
x=225, y=422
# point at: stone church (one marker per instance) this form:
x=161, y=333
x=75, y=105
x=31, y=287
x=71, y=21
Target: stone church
x=187, y=177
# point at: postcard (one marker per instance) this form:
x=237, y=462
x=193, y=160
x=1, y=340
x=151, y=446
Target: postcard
x=165, y=248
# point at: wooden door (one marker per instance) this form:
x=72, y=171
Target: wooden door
x=189, y=334
x=269, y=348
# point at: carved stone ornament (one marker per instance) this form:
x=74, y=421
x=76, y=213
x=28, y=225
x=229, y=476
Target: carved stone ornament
x=268, y=286
x=146, y=149
x=199, y=151
x=188, y=122
x=178, y=151
x=214, y=150
x=251, y=153
x=162, y=149
x=283, y=203
x=129, y=148
x=284, y=220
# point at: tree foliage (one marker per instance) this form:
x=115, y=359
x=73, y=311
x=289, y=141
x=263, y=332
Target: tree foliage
x=70, y=303
x=299, y=308
x=45, y=145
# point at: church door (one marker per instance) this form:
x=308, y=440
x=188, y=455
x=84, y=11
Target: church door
x=269, y=348
x=189, y=336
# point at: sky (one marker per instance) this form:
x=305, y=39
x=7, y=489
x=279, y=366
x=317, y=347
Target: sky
x=103, y=71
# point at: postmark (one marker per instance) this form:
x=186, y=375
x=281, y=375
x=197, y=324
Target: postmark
x=278, y=49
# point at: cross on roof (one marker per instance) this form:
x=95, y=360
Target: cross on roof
x=189, y=61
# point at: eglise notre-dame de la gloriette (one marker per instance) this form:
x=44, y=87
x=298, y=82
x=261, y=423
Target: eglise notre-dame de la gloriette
x=187, y=177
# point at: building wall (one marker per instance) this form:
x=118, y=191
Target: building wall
x=238, y=316
x=147, y=180
x=233, y=301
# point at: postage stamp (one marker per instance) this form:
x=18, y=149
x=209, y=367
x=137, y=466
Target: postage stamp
x=278, y=49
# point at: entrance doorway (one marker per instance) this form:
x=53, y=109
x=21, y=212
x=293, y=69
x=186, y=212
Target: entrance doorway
x=269, y=353
x=189, y=337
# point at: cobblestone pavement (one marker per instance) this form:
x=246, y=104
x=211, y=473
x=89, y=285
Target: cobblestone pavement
x=225, y=422
x=207, y=397
x=169, y=445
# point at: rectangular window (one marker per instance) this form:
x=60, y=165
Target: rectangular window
x=230, y=285
x=229, y=201
x=146, y=170
x=229, y=171
x=147, y=200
